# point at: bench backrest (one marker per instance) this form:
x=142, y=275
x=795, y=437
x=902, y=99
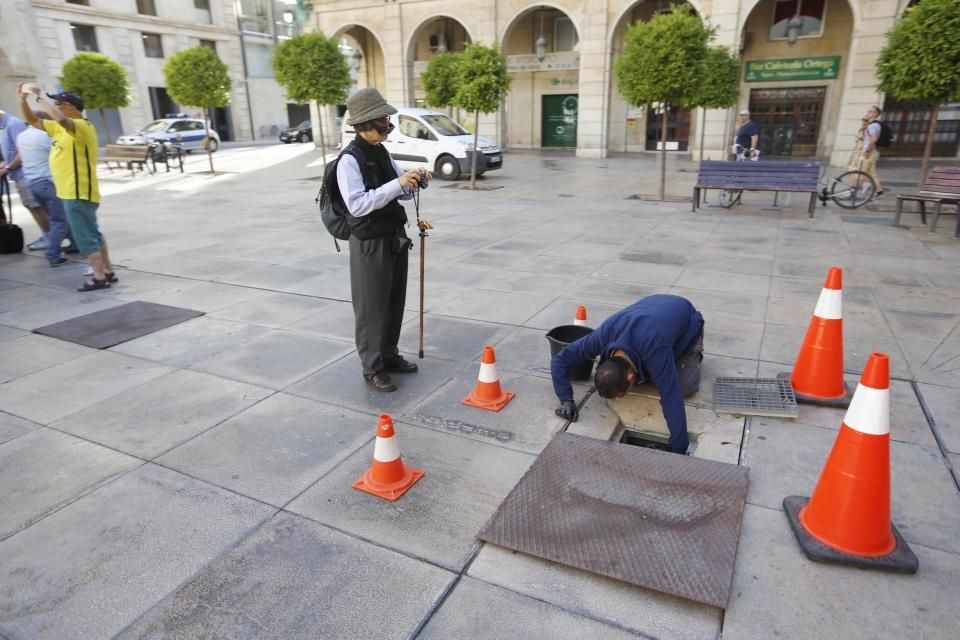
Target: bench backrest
x=943, y=181
x=766, y=175
x=126, y=151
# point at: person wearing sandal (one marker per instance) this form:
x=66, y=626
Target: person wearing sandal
x=73, y=163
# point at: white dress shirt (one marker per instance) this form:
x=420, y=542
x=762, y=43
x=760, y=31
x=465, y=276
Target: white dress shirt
x=359, y=201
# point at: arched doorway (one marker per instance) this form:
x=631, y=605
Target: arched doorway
x=796, y=54
x=637, y=128
x=438, y=34
x=364, y=55
x=541, y=44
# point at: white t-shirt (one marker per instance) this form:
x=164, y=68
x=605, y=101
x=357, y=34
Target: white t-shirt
x=873, y=130
x=34, y=147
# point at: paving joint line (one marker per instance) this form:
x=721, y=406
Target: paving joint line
x=932, y=423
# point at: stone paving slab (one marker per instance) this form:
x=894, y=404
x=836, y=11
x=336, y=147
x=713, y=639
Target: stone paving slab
x=644, y=611
x=275, y=449
x=934, y=363
x=57, y=307
x=925, y=506
x=43, y=470
x=191, y=341
x=275, y=310
x=52, y=393
x=780, y=593
x=494, y=306
x=475, y=610
x=202, y=296
x=564, y=311
x=614, y=293
x=28, y=353
x=293, y=578
x=275, y=360
x=342, y=384
x=944, y=403
x=9, y=333
x=93, y=567
x=439, y=517
x=13, y=426
x=162, y=413
x=451, y=338
x=527, y=423
x=714, y=305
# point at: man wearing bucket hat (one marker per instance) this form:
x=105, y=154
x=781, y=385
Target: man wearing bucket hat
x=657, y=338
x=378, y=243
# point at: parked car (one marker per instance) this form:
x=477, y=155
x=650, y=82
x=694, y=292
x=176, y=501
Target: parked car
x=303, y=132
x=424, y=138
x=176, y=127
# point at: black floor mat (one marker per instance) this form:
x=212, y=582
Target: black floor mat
x=104, y=329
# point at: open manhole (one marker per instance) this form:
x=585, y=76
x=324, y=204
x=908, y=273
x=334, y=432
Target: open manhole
x=645, y=440
x=755, y=397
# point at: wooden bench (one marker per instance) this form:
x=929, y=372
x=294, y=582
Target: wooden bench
x=766, y=175
x=941, y=187
x=130, y=155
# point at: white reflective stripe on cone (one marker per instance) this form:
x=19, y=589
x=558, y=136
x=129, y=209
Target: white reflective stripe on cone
x=386, y=449
x=869, y=411
x=579, y=323
x=488, y=372
x=830, y=305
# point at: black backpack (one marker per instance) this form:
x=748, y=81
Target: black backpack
x=333, y=210
x=885, y=139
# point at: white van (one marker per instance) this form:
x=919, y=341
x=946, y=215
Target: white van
x=424, y=138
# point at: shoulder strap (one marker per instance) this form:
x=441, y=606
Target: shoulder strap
x=5, y=186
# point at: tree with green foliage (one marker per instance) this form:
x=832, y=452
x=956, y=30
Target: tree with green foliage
x=661, y=64
x=719, y=84
x=921, y=61
x=100, y=81
x=311, y=67
x=440, y=79
x=197, y=77
x=482, y=82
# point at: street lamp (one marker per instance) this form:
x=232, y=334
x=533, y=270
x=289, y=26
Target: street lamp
x=442, y=45
x=541, y=43
x=794, y=26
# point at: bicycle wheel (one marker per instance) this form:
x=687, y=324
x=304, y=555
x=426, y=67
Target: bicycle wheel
x=729, y=197
x=852, y=189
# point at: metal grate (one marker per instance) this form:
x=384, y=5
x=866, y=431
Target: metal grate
x=755, y=397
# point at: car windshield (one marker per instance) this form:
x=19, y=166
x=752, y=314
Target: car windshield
x=445, y=126
x=304, y=125
x=157, y=126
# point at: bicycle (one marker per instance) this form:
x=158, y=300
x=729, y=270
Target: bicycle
x=851, y=189
x=166, y=151
x=730, y=197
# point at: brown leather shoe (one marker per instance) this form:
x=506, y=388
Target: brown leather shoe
x=399, y=364
x=381, y=382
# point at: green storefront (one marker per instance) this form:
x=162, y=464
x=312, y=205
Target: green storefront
x=558, y=121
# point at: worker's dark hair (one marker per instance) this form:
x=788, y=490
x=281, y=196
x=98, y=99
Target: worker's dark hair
x=611, y=378
x=877, y=109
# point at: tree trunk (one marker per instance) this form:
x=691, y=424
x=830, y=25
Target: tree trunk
x=928, y=147
x=476, y=150
x=323, y=140
x=106, y=127
x=703, y=130
x=206, y=139
x=663, y=155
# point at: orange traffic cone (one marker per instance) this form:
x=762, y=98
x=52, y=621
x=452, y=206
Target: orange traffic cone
x=847, y=520
x=581, y=319
x=388, y=477
x=488, y=394
x=817, y=376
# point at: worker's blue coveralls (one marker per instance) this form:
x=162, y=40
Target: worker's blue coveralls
x=663, y=336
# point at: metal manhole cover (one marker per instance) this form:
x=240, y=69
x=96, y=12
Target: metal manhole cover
x=110, y=327
x=755, y=397
x=653, y=519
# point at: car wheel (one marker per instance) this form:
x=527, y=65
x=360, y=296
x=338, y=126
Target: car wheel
x=303, y=137
x=448, y=168
x=286, y=141
x=212, y=145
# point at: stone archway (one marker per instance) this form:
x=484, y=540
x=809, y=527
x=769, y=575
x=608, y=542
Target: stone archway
x=436, y=34
x=541, y=43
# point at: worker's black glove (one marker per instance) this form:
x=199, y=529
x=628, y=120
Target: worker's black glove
x=567, y=410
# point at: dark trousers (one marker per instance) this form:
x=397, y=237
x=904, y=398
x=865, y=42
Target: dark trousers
x=689, y=364
x=378, y=284
x=46, y=195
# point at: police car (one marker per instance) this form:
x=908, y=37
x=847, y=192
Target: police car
x=176, y=127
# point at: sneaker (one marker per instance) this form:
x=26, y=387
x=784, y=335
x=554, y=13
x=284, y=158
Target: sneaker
x=878, y=194
x=40, y=244
x=88, y=272
x=379, y=381
x=399, y=365
x=56, y=262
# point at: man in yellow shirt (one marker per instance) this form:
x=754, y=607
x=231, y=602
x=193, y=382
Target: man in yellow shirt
x=73, y=164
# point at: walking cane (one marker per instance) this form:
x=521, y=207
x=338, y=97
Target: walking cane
x=423, y=226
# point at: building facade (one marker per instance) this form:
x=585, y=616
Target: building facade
x=39, y=36
x=808, y=71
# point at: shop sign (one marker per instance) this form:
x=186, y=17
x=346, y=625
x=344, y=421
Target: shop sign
x=552, y=62
x=785, y=69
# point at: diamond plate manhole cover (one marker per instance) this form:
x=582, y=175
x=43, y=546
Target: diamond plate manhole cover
x=653, y=519
x=755, y=397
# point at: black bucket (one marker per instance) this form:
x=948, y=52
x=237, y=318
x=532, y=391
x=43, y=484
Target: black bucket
x=560, y=337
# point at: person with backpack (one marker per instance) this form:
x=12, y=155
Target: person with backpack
x=370, y=185
x=876, y=135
